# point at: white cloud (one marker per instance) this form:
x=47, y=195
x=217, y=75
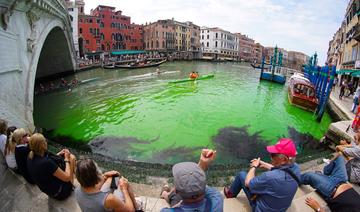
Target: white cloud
x=305, y=25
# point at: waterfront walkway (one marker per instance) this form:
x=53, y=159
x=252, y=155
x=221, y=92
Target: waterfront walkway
x=343, y=106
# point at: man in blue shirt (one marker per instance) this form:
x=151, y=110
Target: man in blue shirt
x=273, y=190
x=190, y=185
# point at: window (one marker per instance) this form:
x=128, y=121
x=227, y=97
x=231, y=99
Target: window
x=207, y=36
x=354, y=53
x=80, y=30
x=202, y=37
x=91, y=30
x=87, y=42
x=216, y=35
x=101, y=25
x=207, y=44
x=80, y=20
x=215, y=44
x=98, y=21
x=90, y=21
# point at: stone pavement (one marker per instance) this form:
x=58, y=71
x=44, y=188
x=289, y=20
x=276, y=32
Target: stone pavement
x=341, y=107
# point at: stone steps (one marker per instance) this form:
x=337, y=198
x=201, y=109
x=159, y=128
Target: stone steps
x=17, y=195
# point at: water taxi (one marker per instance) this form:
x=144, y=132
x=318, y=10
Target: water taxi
x=301, y=93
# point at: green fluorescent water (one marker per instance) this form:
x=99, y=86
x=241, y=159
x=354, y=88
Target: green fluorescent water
x=133, y=103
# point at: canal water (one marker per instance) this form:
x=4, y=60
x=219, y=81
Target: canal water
x=138, y=115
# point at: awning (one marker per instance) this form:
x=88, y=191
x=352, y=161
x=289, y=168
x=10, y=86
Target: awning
x=347, y=71
x=125, y=52
x=356, y=73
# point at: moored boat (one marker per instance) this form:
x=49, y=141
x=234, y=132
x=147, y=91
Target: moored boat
x=109, y=66
x=189, y=79
x=301, y=93
x=141, y=65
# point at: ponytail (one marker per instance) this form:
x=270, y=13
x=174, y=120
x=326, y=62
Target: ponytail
x=31, y=155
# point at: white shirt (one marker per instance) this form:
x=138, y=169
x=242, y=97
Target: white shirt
x=10, y=160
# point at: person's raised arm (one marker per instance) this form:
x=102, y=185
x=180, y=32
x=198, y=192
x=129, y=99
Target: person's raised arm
x=65, y=176
x=251, y=174
x=206, y=157
x=114, y=203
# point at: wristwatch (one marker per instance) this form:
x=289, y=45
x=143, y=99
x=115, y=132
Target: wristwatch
x=318, y=209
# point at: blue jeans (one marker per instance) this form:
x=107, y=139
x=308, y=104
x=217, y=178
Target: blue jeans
x=334, y=174
x=238, y=184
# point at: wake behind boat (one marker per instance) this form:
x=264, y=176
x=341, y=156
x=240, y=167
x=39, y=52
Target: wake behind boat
x=195, y=79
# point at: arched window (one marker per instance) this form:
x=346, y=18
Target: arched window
x=152, y=44
x=207, y=44
x=157, y=44
x=216, y=43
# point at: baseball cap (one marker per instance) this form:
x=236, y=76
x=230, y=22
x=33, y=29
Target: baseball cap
x=189, y=180
x=284, y=146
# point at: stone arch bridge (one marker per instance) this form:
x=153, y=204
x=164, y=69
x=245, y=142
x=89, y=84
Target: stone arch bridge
x=35, y=41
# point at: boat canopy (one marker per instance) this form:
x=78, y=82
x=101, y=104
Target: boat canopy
x=347, y=71
x=125, y=52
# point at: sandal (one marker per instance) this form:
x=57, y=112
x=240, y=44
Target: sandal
x=166, y=188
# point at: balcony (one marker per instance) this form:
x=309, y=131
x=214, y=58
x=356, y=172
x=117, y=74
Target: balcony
x=357, y=32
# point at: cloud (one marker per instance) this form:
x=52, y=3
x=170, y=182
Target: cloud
x=305, y=26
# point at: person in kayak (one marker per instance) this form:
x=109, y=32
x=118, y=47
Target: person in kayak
x=193, y=75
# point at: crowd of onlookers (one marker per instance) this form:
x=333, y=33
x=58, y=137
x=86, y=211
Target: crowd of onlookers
x=271, y=190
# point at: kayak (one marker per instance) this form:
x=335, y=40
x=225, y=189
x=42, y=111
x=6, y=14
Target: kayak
x=188, y=79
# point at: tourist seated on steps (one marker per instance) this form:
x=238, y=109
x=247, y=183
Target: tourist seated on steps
x=351, y=153
x=191, y=192
x=95, y=193
x=333, y=187
x=44, y=168
x=3, y=137
x=18, y=137
x=22, y=151
x=273, y=190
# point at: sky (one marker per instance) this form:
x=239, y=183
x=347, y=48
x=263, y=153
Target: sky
x=297, y=25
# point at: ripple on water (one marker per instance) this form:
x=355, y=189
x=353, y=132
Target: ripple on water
x=182, y=117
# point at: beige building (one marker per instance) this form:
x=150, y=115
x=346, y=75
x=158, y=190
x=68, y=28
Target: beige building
x=291, y=59
x=259, y=52
x=350, y=34
x=181, y=40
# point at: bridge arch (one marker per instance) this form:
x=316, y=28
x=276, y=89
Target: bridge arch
x=53, y=53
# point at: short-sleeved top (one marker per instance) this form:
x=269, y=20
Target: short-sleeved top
x=41, y=170
x=213, y=202
x=91, y=202
x=275, y=189
x=10, y=160
x=347, y=201
x=21, y=156
x=353, y=165
x=3, y=139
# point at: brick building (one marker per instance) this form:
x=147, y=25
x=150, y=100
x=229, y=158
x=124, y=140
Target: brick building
x=246, y=48
x=108, y=30
x=160, y=36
